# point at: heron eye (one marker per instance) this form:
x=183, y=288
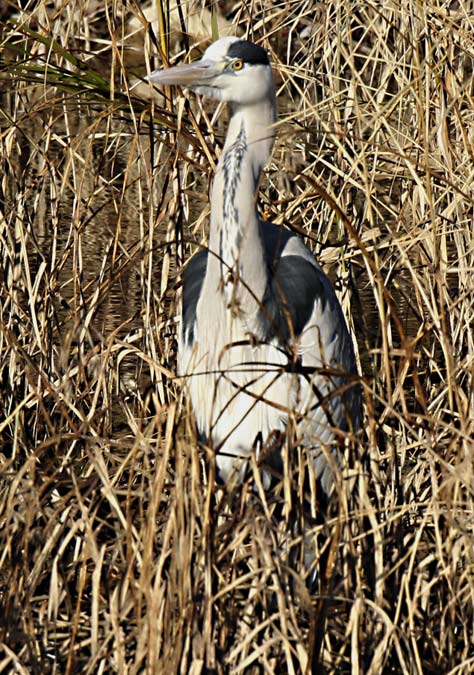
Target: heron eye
x=237, y=65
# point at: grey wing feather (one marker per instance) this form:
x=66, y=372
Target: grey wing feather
x=300, y=298
x=193, y=279
x=294, y=287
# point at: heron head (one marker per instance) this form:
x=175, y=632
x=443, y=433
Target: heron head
x=231, y=69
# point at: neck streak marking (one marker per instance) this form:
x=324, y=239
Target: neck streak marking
x=231, y=232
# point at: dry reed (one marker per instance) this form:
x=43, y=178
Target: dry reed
x=118, y=552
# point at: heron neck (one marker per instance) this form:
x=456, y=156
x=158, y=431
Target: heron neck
x=258, y=121
x=237, y=268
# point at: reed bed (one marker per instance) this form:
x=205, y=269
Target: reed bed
x=119, y=552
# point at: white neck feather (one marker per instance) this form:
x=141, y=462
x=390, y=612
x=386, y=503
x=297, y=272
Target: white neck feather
x=236, y=261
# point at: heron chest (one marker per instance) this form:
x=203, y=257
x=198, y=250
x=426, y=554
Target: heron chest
x=238, y=388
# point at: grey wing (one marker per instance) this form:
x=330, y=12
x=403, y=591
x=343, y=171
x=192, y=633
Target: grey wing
x=193, y=280
x=301, y=310
x=300, y=297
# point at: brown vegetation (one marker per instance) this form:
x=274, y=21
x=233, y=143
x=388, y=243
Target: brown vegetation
x=117, y=551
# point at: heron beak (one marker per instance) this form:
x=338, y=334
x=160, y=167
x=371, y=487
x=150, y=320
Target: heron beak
x=189, y=75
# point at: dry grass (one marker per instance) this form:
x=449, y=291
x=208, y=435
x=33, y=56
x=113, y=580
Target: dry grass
x=118, y=553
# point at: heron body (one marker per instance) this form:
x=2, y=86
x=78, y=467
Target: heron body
x=263, y=339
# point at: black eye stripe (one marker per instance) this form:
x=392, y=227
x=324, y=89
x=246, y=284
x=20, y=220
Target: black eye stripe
x=248, y=52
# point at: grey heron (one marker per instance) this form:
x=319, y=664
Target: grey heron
x=262, y=339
